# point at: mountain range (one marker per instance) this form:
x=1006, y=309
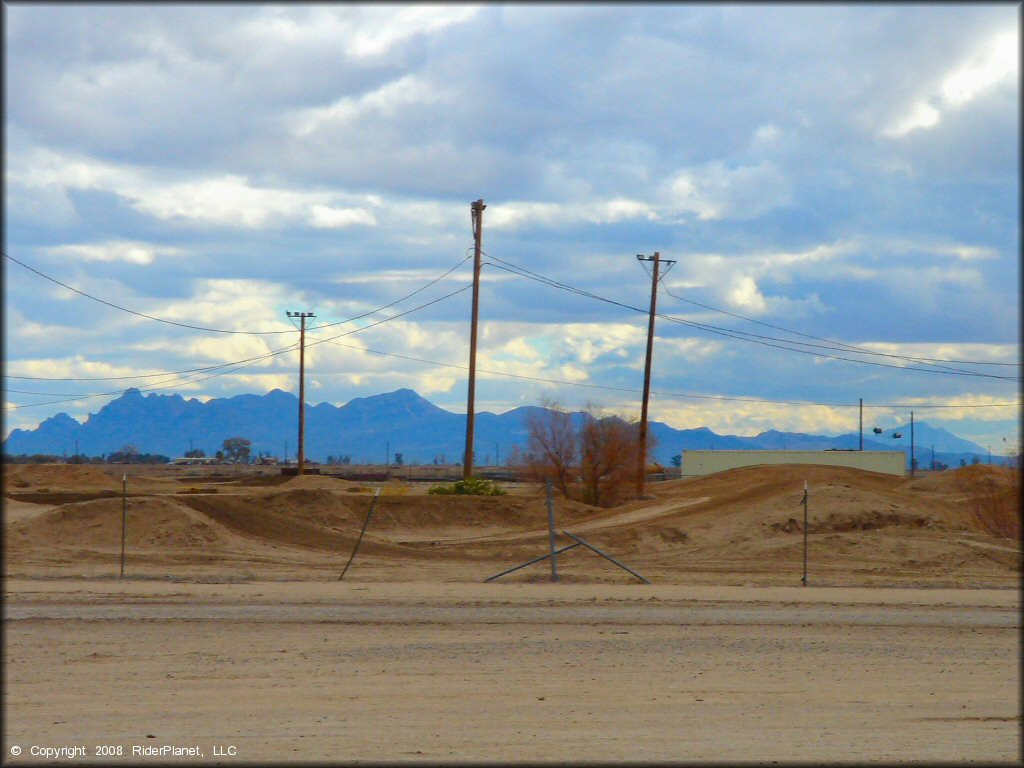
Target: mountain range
x=373, y=429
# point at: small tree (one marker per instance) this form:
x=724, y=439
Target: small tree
x=609, y=447
x=237, y=449
x=551, y=452
x=196, y=453
x=128, y=454
x=596, y=463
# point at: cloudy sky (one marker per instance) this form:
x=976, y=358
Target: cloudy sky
x=838, y=186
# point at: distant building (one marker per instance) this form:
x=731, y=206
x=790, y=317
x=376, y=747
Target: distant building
x=189, y=461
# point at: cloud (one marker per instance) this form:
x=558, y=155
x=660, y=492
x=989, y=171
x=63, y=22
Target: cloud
x=518, y=215
x=716, y=191
x=326, y=217
x=745, y=295
x=128, y=251
x=995, y=64
x=227, y=201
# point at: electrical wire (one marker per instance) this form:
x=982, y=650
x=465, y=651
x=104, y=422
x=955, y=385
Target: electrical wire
x=238, y=365
x=850, y=347
x=725, y=398
x=225, y=331
x=514, y=269
x=741, y=335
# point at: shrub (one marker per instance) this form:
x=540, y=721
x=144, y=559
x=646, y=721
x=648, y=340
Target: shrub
x=995, y=506
x=474, y=486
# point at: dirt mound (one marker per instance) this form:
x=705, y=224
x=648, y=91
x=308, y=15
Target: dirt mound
x=316, y=481
x=745, y=521
x=308, y=519
x=64, y=477
x=966, y=481
x=154, y=522
x=858, y=521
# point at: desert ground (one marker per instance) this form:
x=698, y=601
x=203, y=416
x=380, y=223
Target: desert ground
x=230, y=633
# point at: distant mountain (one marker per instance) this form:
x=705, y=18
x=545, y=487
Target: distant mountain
x=368, y=428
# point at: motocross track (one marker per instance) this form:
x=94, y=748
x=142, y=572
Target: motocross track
x=739, y=527
x=230, y=632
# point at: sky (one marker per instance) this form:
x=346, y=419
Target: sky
x=838, y=186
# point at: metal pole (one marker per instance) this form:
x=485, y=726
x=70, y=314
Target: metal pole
x=359, y=541
x=641, y=471
x=124, y=517
x=551, y=533
x=531, y=562
x=804, y=579
x=861, y=424
x=911, y=443
x=606, y=556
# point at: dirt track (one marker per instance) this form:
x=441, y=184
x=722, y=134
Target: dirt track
x=232, y=629
x=740, y=527
x=514, y=672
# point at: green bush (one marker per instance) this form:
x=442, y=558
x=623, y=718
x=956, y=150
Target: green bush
x=474, y=486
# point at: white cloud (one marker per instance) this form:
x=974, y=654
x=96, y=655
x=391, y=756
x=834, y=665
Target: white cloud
x=997, y=63
x=383, y=103
x=746, y=296
x=748, y=419
x=520, y=214
x=236, y=304
x=716, y=191
x=735, y=279
x=325, y=217
x=228, y=200
x=132, y=252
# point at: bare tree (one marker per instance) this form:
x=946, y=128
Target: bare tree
x=608, y=451
x=551, y=453
x=600, y=455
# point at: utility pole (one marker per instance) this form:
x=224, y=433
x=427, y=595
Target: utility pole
x=911, y=443
x=861, y=424
x=301, y=460
x=477, y=214
x=641, y=470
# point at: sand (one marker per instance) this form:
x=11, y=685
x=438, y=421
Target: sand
x=231, y=628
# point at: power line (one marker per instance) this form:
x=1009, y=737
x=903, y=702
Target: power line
x=245, y=363
x=741, y=335
x=523, y=377
x=725, y=398
x=226, y=331
x=851, y=347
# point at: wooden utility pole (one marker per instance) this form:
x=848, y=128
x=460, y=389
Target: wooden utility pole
x=861, y=424
x=641, y=470
x=301, y=460
x=912, y=444
x=477, y=214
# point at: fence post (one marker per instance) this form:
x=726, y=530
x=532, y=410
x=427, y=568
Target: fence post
x=124, y=517
x=551, y=533
x=804, y=579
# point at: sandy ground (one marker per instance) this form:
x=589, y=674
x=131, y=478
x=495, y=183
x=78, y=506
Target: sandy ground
x=514, y=672
x=231, y=629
